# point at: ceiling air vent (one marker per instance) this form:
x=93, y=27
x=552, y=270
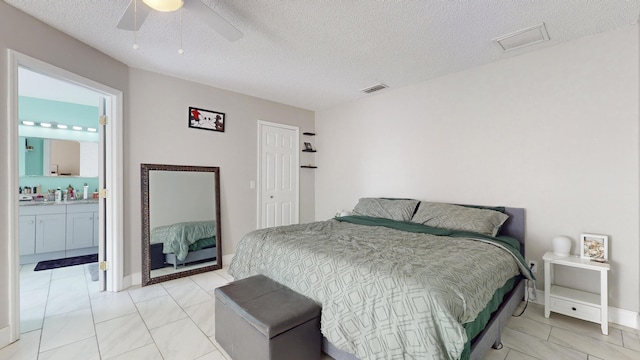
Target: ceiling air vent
x=521, y=38
x=374, y=88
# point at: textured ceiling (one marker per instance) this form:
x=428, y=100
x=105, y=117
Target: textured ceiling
x=316, y=54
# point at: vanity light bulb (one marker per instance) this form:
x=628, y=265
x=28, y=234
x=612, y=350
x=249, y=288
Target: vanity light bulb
x=60, y=126
x=29, y=123
x=92, y=129
x=77, y=128
x=47, y=125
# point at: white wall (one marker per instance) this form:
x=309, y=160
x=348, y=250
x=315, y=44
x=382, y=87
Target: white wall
x=157, y=133
x=554, y=131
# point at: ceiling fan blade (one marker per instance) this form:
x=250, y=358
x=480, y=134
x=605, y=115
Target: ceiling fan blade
x=132, y=21
x=214, y=20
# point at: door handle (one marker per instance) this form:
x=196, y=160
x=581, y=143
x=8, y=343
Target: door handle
x=271, y=196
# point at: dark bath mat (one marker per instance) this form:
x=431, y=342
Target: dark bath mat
x=58, y=263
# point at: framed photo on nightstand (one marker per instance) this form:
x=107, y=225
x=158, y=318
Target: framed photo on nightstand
x=594, y=247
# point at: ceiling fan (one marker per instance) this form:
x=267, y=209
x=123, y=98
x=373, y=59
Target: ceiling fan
x=138, y=10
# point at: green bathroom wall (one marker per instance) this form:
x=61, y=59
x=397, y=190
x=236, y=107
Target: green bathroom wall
x=34, y=159
x=41, y=110
x=21, y=156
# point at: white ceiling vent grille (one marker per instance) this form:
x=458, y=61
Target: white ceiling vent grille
x=521, y=38
x=374, y=88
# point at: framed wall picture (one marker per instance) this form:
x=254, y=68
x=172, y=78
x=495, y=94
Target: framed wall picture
x=206, y=119
x=594, y=247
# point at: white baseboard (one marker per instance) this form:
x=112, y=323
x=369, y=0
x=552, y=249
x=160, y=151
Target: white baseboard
x=226, y=259
x=136, y=278
x=624, y=317
x=5, y=336
x=618, y=316
x=126, y=282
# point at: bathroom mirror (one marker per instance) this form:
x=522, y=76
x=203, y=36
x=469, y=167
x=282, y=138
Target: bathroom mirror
x=56, y=157
x=180, y=221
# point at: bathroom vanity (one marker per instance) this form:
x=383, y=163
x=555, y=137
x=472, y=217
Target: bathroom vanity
x=54, y=230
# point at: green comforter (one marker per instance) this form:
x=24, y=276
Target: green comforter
x=385, y=293
x=177, y=238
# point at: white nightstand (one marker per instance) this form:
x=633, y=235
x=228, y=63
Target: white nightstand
x=571, y=302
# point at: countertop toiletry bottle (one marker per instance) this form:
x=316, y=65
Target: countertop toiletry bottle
x=58, y=195
x=20, y=190
x=85, y=194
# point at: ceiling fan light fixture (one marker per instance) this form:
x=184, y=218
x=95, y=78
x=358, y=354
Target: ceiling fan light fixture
x=164, y=5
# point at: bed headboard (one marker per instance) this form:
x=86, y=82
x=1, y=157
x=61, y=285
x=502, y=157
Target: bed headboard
x=514, y=226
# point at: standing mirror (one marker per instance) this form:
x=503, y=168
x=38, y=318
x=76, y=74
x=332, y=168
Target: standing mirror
x=180, y=221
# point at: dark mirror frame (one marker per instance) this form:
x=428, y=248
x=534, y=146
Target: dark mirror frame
x=146, y=231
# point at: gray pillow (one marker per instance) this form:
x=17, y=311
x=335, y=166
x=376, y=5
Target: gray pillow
x=394, y=209
x=456, y=217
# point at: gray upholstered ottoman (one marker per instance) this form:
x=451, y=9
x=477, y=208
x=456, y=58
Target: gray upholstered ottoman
x=258, y=318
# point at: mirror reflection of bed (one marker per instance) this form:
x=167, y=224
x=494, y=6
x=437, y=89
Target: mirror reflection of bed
x=181, y=232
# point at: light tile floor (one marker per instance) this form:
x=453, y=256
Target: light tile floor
x=64, y=316
x=532, y=336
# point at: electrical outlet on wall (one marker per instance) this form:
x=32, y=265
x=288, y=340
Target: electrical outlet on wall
x=533, y=265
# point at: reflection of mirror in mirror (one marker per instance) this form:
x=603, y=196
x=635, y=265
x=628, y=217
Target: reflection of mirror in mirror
x=64, y=157
x=180, y=221
x=53, y=157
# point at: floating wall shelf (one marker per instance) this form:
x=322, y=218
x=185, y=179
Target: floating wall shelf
x=309, y=151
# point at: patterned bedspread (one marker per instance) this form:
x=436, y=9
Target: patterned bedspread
x=385, y=293
x=177, y=238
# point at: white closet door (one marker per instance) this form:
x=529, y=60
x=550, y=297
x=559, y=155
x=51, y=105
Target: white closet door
x=278, y=175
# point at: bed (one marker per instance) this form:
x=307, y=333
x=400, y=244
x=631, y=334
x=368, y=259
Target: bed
x=185, y=242
x=401, y=278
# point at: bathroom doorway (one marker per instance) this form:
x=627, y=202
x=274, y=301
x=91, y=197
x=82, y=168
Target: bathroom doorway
x=101, y=142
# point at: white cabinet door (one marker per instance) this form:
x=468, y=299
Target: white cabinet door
x=27, y=235
x=50, y=233
x=79, y=230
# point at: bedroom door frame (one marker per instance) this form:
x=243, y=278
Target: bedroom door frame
x=113, y=203
x=262, y=125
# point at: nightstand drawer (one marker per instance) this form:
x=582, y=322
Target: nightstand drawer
x=581, y=311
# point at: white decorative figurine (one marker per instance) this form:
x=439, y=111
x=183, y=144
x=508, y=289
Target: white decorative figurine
x=561, y=245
